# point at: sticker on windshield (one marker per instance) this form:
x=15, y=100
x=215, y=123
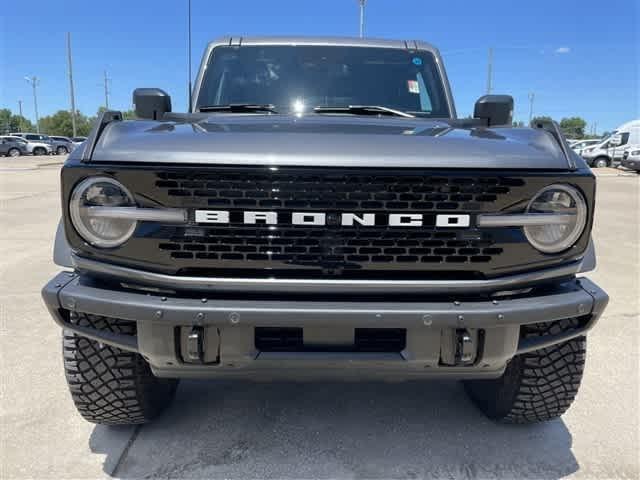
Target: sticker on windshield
x=413, y=86
x=417, y=61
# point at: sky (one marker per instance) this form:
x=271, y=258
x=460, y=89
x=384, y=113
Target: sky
x=579, y=58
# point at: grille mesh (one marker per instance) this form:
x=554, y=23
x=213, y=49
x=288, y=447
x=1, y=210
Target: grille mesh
x=311, y=246
x=330, y=191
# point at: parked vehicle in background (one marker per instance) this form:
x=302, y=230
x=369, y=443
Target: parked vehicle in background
x=631, y=158
x=35, y=147
x=62, y=145
x=610, y=151
x=581, y=145
x=12, y=147
x=78, y=140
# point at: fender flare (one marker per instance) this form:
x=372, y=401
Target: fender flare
x=61, y=248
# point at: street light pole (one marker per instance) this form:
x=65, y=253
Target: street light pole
x=34, y=84
x=20, y=107
x=532, y=96
x=490, y=72
x=71, y=93
x=106, y=90
x=362, y=2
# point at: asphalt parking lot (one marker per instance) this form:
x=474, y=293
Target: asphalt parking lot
x=325, y=430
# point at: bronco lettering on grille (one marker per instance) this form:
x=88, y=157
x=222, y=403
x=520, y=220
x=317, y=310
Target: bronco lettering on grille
x=321, y=218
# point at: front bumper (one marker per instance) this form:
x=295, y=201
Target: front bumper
x=230, y=324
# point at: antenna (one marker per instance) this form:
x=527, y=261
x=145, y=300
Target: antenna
x=189, y=55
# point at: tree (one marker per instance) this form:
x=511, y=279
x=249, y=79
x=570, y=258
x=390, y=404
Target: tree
x=14, y=123
x=536, y=120
x=573, y=127
x=60, y=124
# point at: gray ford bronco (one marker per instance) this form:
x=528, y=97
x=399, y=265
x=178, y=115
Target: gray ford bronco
x=320, y=212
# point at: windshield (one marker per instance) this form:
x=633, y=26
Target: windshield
x=298, y=78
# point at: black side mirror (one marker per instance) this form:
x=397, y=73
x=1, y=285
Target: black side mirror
x=151, y=103
x=495, y=109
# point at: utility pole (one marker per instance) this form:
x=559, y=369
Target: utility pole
x=189, y=93
x=106, y=90
x=34, y=84
x=362, y=2
x=532, y=96
x=490, y=71
x=20, y=107
x=71, y=93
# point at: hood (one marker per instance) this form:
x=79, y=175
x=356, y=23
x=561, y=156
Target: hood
x=327, y=140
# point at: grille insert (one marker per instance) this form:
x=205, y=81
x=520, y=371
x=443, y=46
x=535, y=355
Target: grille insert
x=302, y=245
x=361, y=192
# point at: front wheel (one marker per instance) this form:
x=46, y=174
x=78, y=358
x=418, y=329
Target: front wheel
x=601, y=162
x=536, y=386
x=108, y=385
x=61, y=150
x=39, y=151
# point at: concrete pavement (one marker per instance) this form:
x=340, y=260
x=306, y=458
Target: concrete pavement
x=287, y=430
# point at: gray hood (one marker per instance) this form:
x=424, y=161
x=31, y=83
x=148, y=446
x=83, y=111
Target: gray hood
x=328, y=140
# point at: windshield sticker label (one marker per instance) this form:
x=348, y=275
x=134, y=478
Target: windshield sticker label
x=417, y=61
x=413, y=86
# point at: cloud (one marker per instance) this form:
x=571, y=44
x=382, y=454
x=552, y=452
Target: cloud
x=563, y=50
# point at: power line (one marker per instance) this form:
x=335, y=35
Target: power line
x=71, y=92
x=34, y=81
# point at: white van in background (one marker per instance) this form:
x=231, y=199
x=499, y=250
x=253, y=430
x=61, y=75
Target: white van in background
x=611, y=149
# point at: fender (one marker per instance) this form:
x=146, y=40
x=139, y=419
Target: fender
x=61, y=248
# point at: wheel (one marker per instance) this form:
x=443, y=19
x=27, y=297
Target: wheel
x=601, y=162
x=13, y=152
x=62, y=150
x=39, y=151
x=536, y=386
x=109, y=385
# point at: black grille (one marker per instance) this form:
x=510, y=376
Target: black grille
x=329, y=246
x=331, y=191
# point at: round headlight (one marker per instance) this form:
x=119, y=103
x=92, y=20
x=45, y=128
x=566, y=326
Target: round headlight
x=564, y=230
x=97, y=230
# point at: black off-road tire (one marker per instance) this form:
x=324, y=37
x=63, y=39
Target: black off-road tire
x=111, y=386
x=536, y=386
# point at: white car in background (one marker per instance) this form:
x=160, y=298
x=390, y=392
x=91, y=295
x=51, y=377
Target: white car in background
x=34, y=147
x=580, y=145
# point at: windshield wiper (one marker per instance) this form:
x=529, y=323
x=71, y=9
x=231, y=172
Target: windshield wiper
x=364, y=110
x=239, y=108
